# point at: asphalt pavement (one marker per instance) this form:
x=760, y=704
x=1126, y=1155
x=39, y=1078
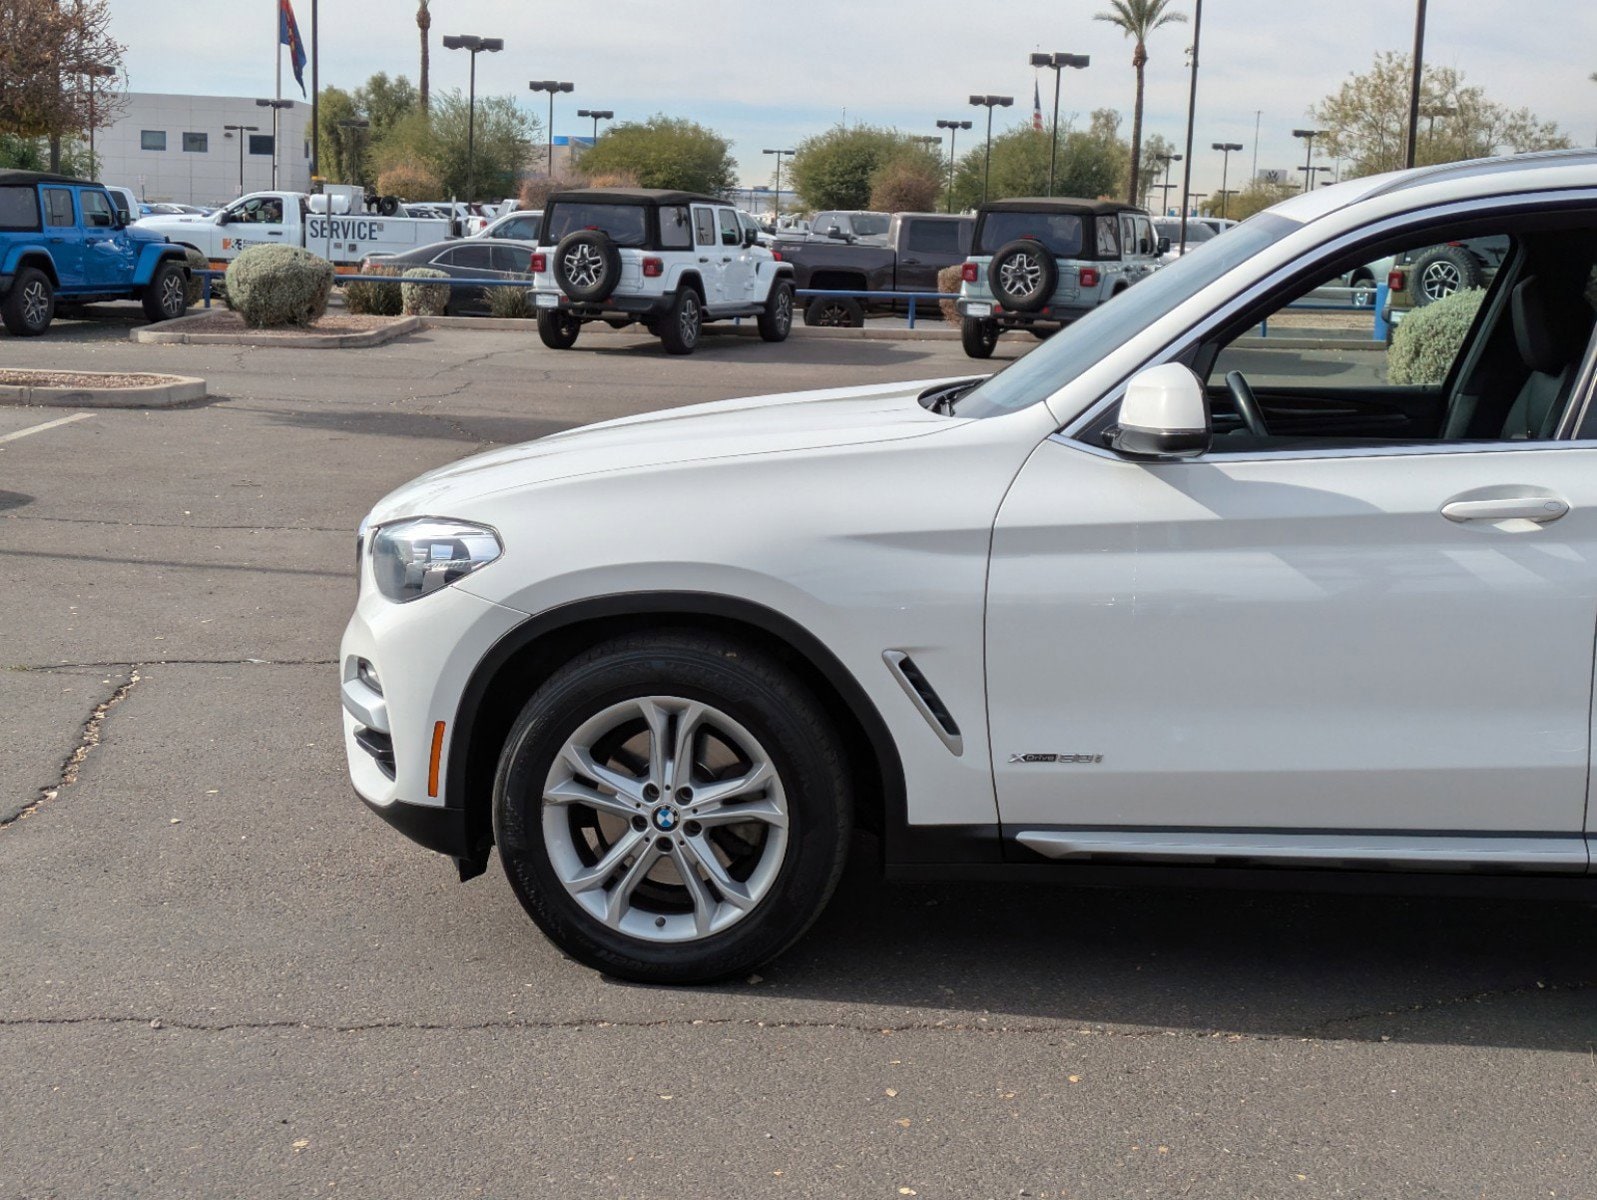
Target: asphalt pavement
x=222, y=977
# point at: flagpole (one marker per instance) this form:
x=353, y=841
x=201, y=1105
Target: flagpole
x=277, y=53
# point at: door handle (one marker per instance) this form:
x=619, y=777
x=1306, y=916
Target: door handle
x=274, y=233
x=703, y=259
x=58, y=240
x=1540, y=509
x=725, y=259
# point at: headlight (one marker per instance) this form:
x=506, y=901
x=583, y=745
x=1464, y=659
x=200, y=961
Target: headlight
x=415, y=558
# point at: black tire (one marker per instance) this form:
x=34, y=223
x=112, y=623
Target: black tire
x=587, y=265
x=978, y=336
x=681, y=328
x=835, y=312
x=558, y=330
x=1023, y=275
x=388, y=206
x=1041, y=332
x=166, y=295
x=790, y=728
x=29, y=306
x=1441, y=271
x=776, y=322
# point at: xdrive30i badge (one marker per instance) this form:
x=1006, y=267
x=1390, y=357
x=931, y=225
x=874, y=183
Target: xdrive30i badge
x=1067, y=760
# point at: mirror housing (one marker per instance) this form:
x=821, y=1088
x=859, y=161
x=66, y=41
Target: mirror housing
x=224, y=217
x=751, y=237
x=1164, y=245
x=1164, y=414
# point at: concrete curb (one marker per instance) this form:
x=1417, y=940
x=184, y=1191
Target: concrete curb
x=934, y=330
x=170, y=333
x=178, y=389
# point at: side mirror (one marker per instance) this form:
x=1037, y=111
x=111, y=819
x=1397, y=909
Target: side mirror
x=751, y=237
x=1164, y=245
x=1163, y=415
x=224, y=217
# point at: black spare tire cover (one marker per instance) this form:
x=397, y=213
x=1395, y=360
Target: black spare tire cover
x=587, y=265
x=1023, y=275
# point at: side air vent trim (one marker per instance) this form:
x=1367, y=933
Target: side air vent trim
x=925, y=698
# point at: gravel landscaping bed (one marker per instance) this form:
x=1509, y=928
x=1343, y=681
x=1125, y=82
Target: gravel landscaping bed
x=79, y=379
x=231, y=322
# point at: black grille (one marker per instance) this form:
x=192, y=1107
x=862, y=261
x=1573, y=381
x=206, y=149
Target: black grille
x=928, y=693
x=380, y=746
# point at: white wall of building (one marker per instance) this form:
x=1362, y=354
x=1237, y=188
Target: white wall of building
x=201, y=176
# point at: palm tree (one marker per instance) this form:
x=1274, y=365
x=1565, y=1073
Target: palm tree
x=1137, y=19
x=424, y=22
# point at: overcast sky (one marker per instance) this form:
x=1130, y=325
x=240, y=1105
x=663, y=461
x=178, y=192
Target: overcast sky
x=768, y=75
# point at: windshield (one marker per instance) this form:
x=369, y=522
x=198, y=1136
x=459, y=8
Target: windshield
x=1197, y=231
x=1059, y=232
x=1082, y=343
x=627, y=224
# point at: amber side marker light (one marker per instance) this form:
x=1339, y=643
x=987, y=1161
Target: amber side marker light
x=432, y=764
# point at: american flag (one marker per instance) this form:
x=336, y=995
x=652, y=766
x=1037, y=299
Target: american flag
x=1036, y=106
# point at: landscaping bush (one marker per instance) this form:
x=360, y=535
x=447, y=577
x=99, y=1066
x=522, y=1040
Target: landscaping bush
x=949, y=280
x=1426, y=343
x=509, y=301
x=195, y=261
x=376, y=299
x=424, y=299
x=274, y=286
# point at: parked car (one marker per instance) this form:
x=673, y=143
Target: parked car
x=669, y=260
x=851, y=226
x=1038, y=264
x=64, y=239
x=1097, y=619
x=1430, y=273
x=914, y=249
x=520, y=226
x=1168, y=231
x=468, y=258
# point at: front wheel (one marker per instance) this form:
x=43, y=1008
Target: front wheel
x=978, y=336
x=672, y=808
x=166, y=297
x=558, y=330
x=680, y=328
x=30, y=304
x=776, y=322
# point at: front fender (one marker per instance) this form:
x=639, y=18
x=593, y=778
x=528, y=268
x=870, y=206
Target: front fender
x=152, y=256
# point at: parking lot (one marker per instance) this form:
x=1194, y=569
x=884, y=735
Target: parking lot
x=222, y=976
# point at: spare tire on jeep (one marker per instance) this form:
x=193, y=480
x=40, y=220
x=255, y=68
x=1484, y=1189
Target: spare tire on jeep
x=587, y=265
x=1023, y=275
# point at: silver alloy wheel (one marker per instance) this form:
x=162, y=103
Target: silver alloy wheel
x=665, y=819
x=784, y=311
x=174, y=294
x=1442, y=278
x=583, y=264
x=688, y=320
x=1020, y=274
x=35, y=304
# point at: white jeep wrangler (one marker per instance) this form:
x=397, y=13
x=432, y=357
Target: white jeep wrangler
x=671, y=260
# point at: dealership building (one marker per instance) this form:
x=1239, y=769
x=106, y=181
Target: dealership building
x=178, y=148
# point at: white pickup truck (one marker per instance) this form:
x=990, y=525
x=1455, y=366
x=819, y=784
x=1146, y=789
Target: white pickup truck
x=286, y=218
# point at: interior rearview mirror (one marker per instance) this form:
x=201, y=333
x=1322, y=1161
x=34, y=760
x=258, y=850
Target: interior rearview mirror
x=1164, y=414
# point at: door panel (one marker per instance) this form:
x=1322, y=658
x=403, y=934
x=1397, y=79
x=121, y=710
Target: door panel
x=64, y=237
x=737, y=268
x=1293, y=643
x=707, y=247
x=110, y=254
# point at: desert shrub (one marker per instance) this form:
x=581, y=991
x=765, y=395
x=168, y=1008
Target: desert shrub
x=423, y=299
x=949, y=280
x=509, y=301
x=273, y=286
x=376, y=299
x=409, y=179
x=195, y=261
x=906, y=185
x=535, y=192
x=1426, y=343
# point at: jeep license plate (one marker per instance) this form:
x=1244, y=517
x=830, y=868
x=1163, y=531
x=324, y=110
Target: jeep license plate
x=978, y=310
x=548, y=300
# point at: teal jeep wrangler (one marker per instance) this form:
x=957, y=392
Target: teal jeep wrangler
x=65, y=238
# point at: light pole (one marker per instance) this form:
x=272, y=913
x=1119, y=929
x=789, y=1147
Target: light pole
x=1164, y=199
x=598, y=114
x=1225, y=196
x=1225, y=148
x=1192, y=117
x=989, y=103
x=1308, y=136
x=1431, y=112
x=553, y=87
x=101, y=71
x=241, y=130
x=1310, y=172
x=776, y=204
x=475, y=45
x=356, y=123
x=1416, y=79
x=1058, y=62
x=953, y=128
x=276, y=106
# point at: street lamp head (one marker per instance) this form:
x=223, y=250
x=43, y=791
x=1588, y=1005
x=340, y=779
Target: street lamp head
x=492, y=45
x=274, y=104
x=354, y=123
x=1307, y=133
x=1080, y=61
x=549, y=85
x=1042, y=60
x=941, y=124
x=1227, y=146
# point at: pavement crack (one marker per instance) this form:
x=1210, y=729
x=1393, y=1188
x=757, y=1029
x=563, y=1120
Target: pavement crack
x=1444, y=1003
x=87, y=741
x=46, y=668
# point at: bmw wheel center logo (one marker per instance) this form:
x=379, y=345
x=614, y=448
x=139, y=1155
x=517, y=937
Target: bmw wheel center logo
x=665, y=818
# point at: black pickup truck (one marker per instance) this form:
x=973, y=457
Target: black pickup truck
x=918, y=246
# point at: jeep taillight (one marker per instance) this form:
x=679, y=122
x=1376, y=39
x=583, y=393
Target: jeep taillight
x=776, y=254
x=540, y=264
x=1397, y=281
x=653, y=268
x=968, y=273
x=1088, y=276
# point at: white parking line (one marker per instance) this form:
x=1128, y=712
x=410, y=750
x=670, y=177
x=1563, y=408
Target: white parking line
x=22, y=433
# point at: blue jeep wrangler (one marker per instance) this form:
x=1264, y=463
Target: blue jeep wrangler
x=66, y=237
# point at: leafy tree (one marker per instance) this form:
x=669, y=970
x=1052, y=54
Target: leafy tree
x=1137, y=19
x=1089, y=165
x=835, y=169
x=1254, y=198
x=437, y=143
x=664, y=152
x=342, y=157
x=383, y=101
x=44, y=45
x=906, y=185
x=1367, y=120
x=1152, y=168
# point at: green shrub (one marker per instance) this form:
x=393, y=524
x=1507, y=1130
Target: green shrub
x=509, y=302
x=273, y=286
x=377, y=299
x=949, y=279
x=424, y=299
x=195, y=261
x=1426, y=343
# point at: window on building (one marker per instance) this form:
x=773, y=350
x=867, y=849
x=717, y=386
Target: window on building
x=152, y=139
x=196, y=143
x=261, y=143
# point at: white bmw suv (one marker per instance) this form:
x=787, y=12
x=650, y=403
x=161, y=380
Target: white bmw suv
x=1158, y=602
